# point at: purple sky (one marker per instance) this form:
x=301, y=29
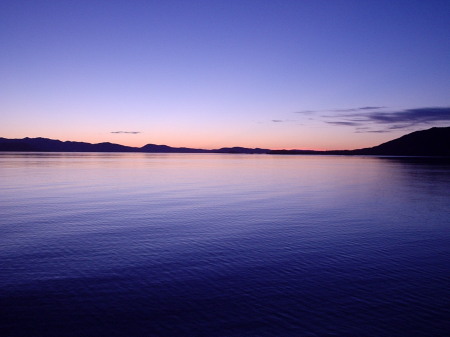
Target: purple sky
x=275, y=74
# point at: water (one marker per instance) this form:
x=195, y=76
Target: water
x=101, y=244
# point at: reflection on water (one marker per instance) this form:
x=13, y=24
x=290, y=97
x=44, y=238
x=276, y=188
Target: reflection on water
x=110, y=244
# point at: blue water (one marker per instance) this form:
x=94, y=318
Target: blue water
x=96, y=244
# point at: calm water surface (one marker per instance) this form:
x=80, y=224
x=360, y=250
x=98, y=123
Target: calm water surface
x=101, y=244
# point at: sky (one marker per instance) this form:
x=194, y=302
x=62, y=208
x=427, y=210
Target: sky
x=304, y=74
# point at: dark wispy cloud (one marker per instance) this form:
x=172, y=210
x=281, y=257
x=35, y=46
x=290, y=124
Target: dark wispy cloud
x=379, y=119
x=277, y=121
x=129, y=132
x=343, y=123
x=371, y=107
x=363, y=108
x=367, y=129
x=415, y=116
x=371, y=131
x=385, y=121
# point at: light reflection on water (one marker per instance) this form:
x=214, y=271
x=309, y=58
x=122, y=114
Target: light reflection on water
x=130, y=244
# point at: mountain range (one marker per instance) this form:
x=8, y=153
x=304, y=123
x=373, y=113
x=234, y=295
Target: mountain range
x=53, y=145
x=431, y=142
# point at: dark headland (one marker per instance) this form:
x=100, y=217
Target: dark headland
x=431, y=142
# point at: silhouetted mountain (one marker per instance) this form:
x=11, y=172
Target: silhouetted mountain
x=168, y=149
x=52, y=145
x=16, y=145
x=431, y=142
x=238, y=149
x=296, y=152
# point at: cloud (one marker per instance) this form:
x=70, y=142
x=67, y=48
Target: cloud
x=371, y=107
x=371, y=131
x=129, y=132
x=363, y=108
x=378, y=119
x=343, y=123
x=306, y=112
x=415, y=116
x=390, y=120
x=283, y=120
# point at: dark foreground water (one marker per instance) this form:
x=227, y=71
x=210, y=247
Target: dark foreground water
x=223, y=245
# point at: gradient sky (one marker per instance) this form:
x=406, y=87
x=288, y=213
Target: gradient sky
x=308, y=74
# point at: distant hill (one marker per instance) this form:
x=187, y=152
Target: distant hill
x=168, y=149
x=431, y=142
x=238, y=149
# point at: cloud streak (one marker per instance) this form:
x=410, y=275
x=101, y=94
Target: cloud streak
x=343, y=123
x=283, y=120
x=128, y=132
x=386, y=121
x=363, y=108
x=306, y=112
x=415, y=116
